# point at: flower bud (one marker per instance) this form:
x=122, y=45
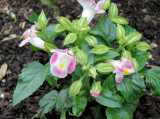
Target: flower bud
x=126, y=54
x=105, y=68
x=133, y=38
x=86, y=67
x=42, y=21
x=106, y=4
x=70, y=38
x=96, y=89
x=120, y=31
x=82, y=22
x=75, y=88
x=65, y=23
x=99, y=49
x=135, y=64
x=85, y=29
x=119, y=20
x=93, y=72
x=59, y=28
x=91, y=40
x=81, y=56
x=113, y=11
x=142, y=46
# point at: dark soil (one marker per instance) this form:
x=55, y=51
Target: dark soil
x=143, y=15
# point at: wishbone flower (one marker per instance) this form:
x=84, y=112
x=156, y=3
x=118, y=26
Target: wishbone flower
x=122, y=67
x=90, y=8
x=62, y=63
x=31, y=37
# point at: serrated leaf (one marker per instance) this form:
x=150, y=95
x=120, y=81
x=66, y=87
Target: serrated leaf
x=109, y=55
x=48, y=102
x=153, y=79
x=31, y=78
x=33, y=17
x=107, y=98
x=78, y=105
x=116, y=113
x=63, y=101
x=97, y=113
x=132, y=87
x=129, y=29
x=106, y=29
x=141, y=57
x=50, y=31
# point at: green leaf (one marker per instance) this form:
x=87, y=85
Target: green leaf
x=63, y=101
x=52, y=80
x=132, y=87
x=97, y=113
x=141, y=57
x=78, y=105
x=109, y=55
x=129, y=29
x=42, y=21
x=50, y=31
x=33, y=17
x=99, y=50
x=46, y=2
x=48, y=102
x=110, y=84
x=107, y=98
x=106, y=29
x=116, y=113
x=31, y=78
x=153, y=79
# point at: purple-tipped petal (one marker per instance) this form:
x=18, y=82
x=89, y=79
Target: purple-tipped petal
x=58, y=73
x=98, y=6
x=94, y=94
x=119, y=77
x=118, y=69
x=26, y=34
x=54, y=58
x=71, y=66
x=59, y=50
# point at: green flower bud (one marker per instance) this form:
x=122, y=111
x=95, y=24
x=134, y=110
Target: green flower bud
x=91, y=40
x=105, y=68
x=42, y=21
x=135, y=64
x=75, y=88
x=93, y=72
x=82, y=22
x=99, y=49
x=113, y=11
x=119, y=20
x=120, y=31
x=133, y=38
x=59, y=28
x=65, y=23
x=106, y=4
x=70, y=38
x=126, y=54
x=143, y=46
x=86, y=67
x=96, y=89
x=85, y=29
x=81, y=56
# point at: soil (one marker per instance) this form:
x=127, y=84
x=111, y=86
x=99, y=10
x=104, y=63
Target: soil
x=142, y=14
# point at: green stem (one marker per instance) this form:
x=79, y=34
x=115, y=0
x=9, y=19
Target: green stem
x=83, y=76
x=63, y=114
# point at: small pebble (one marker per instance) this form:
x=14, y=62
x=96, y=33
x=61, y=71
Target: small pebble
x=2, y=96
x=153, y=45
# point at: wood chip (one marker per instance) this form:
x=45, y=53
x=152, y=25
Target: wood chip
x=3, y=71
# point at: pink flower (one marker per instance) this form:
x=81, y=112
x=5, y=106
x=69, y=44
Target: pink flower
x=122, y=67
x=31, y=37
x=94, y=94
x=95, y=89
x=90, y=8
x=62, y=63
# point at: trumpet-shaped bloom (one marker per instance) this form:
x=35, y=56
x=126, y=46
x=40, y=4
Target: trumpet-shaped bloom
x=122, y=67
x=95, y=89
x=90, y=8
x=62, y=63
x=31, y=37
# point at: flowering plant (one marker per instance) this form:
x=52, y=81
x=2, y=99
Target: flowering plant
x=106, y=64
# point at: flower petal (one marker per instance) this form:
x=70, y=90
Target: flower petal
x=59, y=50
x=26, y=33
x=98, y=6
x=119, y=77
x=24, y=42
x=58, y=73
x=37, y=42
x=94, y=94
x=118, y=69
x=54, y=58
x=127, y=63
x=71, y=66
